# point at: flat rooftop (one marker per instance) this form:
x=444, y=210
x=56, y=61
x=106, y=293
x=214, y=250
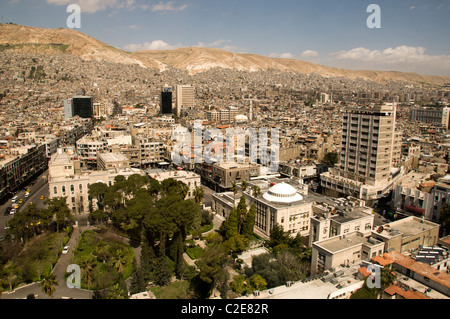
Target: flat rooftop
x=408, y=226
x=339, y=243
x=113, y=157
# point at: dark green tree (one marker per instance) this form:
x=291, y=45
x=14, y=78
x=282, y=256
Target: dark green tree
x=330, y=159
x=249, y=222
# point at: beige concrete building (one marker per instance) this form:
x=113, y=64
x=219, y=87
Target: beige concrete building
x=185, y=98
x=67, y=179
x=370, y=148
x=407, y=234
x=432, y=115
x=107, y=161
x=344, y=250
x=348, y=216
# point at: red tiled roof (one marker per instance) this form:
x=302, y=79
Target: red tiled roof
x=421, y=268
x=407, y=294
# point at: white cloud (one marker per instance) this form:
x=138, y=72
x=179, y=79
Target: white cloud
x=89, y=6
x=154, y=45
x=286, y=55
x=212, y=44
x=412, y=8
x=92, y=6
x=134, y=27
x=309, y=54
x=402, y=58
x=167, y=7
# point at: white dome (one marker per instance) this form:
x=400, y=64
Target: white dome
x=282, y=193
x=241, y=117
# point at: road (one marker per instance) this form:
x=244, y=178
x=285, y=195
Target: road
x=62, y=290
x=40, y=188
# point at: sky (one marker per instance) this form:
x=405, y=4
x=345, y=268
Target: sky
x=413, y=36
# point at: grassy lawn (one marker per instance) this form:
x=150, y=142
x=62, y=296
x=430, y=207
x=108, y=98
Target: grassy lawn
x=175, y=290
x=104, y=250
x=194, y=252
x=36, y=258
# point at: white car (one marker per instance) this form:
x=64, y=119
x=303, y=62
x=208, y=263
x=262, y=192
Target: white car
x=65, y=250
x=13, y=211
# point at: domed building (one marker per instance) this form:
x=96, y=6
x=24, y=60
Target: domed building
x=281, y=202
x=282, y=193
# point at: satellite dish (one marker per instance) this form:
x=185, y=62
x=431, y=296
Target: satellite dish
x=380, y=229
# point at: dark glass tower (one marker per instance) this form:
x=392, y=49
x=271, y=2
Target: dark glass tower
x=82, y=106
x=166, y=101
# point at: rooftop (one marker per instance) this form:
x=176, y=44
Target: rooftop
x=342, y=242
x=408, y=226
x=420, y=268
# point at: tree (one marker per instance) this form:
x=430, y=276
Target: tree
x=88, y=265
x=98, y=215
x=249, y=222
x=387, y=277
x=244, y=185
x=258, y=282
x=234, y=189
x=229, y=227
x=242, y=213
x=98, y=191
x=445, y=219
x=256, y=191
x=212, y=263
x=330, y=159
x=48, y=283
x=198, y=194
x=58, y=208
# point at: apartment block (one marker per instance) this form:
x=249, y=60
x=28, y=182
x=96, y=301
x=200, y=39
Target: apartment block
x=439, y=115
x=370, y=149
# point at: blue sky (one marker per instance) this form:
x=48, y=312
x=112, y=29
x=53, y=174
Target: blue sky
x=414, y=35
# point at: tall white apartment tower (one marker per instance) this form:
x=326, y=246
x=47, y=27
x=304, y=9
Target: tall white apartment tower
x=185, y=98
x=370, y=150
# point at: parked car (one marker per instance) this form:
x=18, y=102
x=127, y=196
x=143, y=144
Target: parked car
x=66, y=250
x=8, y=211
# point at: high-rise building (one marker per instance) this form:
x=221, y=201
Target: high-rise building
x=185, y=98
x=166, y=100
x=78, y=105
x=370, y=150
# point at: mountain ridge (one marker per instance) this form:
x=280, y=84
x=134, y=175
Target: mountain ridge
x=191, y=59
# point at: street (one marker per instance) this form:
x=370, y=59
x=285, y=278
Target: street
x=40, y=188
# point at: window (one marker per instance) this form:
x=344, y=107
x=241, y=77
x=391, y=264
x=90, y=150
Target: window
x=63, y=189
x=55, y=190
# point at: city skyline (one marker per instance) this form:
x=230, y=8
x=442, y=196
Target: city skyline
x=411, y=37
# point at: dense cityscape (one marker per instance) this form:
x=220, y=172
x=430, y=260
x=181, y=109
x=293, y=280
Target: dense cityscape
x=123, y=181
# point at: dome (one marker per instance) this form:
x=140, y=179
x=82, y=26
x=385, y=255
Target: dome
x=282, y=193
x=241, y=117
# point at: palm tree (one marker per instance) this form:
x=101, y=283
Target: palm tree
x=244, y=185
x=387, y=277
x=88, y=266
x=119, y=261
x=256, y=191
x=198, y=194
x=234, y=189
x=48, y=283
